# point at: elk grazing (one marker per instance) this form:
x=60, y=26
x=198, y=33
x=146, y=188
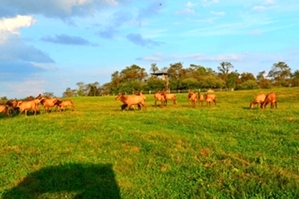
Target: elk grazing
x=210, y=98
x=131, y=100
x=259, y=99
x=270, y=98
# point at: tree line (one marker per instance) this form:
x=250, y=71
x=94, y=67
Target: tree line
x=134, y=78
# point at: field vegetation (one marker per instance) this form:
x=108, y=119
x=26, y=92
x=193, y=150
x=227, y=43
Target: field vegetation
x=99, y=151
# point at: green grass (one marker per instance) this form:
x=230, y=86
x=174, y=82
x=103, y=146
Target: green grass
x=98, y=151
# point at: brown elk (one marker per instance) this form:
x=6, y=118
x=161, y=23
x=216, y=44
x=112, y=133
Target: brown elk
x=170, y=96
x=160, y=96
x=31, y=105
x=138, y=93
x=259, y=99
x=200, y=98
x=63, y=104
x=131, y=100
x=210, y=98
x=192, y=97
x=4, y=109
x=12, y=105
x=49, y=102
x=270, y=98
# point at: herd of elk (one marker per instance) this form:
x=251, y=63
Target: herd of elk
x=209, y=98
x=31, y=104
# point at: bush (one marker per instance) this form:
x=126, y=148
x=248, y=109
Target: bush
x=248, y=85
x=190, y=83
x=264, y=83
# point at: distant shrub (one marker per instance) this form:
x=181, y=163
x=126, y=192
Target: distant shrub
x=264, y=83
x=248, y=85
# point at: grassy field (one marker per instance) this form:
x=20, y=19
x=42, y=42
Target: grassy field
x=99, y=151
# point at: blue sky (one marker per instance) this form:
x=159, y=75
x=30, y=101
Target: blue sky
x=50, y=45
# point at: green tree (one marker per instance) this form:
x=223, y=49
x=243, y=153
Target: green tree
x=262, y=81
x=295, y=78
x=69, y=93
x=93, y=89
x=131, y=87
x=211, y=81
x=107, y=89
x=80, y=90
x=190, y=83
x=115, y=79
x=248, y=85
x=196, y=71
x=3, y=100
x=224, y=70
x=133, y=72
x=261, y=75
x=232, y=79
x=48, y=94
x=175, y=75
x=154, y=68
x=245, y=76
x=155, y=84
x=280, y=74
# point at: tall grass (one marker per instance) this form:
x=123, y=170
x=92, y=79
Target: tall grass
x=99, y=151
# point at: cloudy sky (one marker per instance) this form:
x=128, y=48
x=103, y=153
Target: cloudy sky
x=50, y=45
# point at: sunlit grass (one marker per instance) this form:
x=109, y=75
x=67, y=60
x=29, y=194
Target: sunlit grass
x=227, y=151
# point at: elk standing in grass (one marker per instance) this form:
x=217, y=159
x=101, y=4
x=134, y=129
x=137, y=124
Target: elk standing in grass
x=160, y=96
x=192, y=97
x=170, y=96
x=200, y=98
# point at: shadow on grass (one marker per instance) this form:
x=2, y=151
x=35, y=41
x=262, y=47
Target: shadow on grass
x=83, y=180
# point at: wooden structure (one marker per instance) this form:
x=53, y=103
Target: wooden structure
x=164, y=77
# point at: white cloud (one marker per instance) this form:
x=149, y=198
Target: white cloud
x=256, y=32
x=190, y=4
x=258, y=8
x=209, y=2
x=185, y=11
x=201, y=57
x=270, y=2
x=44, y=66
x=150, y=59
x=23, y=89
x=194, y=57
x=218, y=13
x=13, y=25
x=58, y=8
